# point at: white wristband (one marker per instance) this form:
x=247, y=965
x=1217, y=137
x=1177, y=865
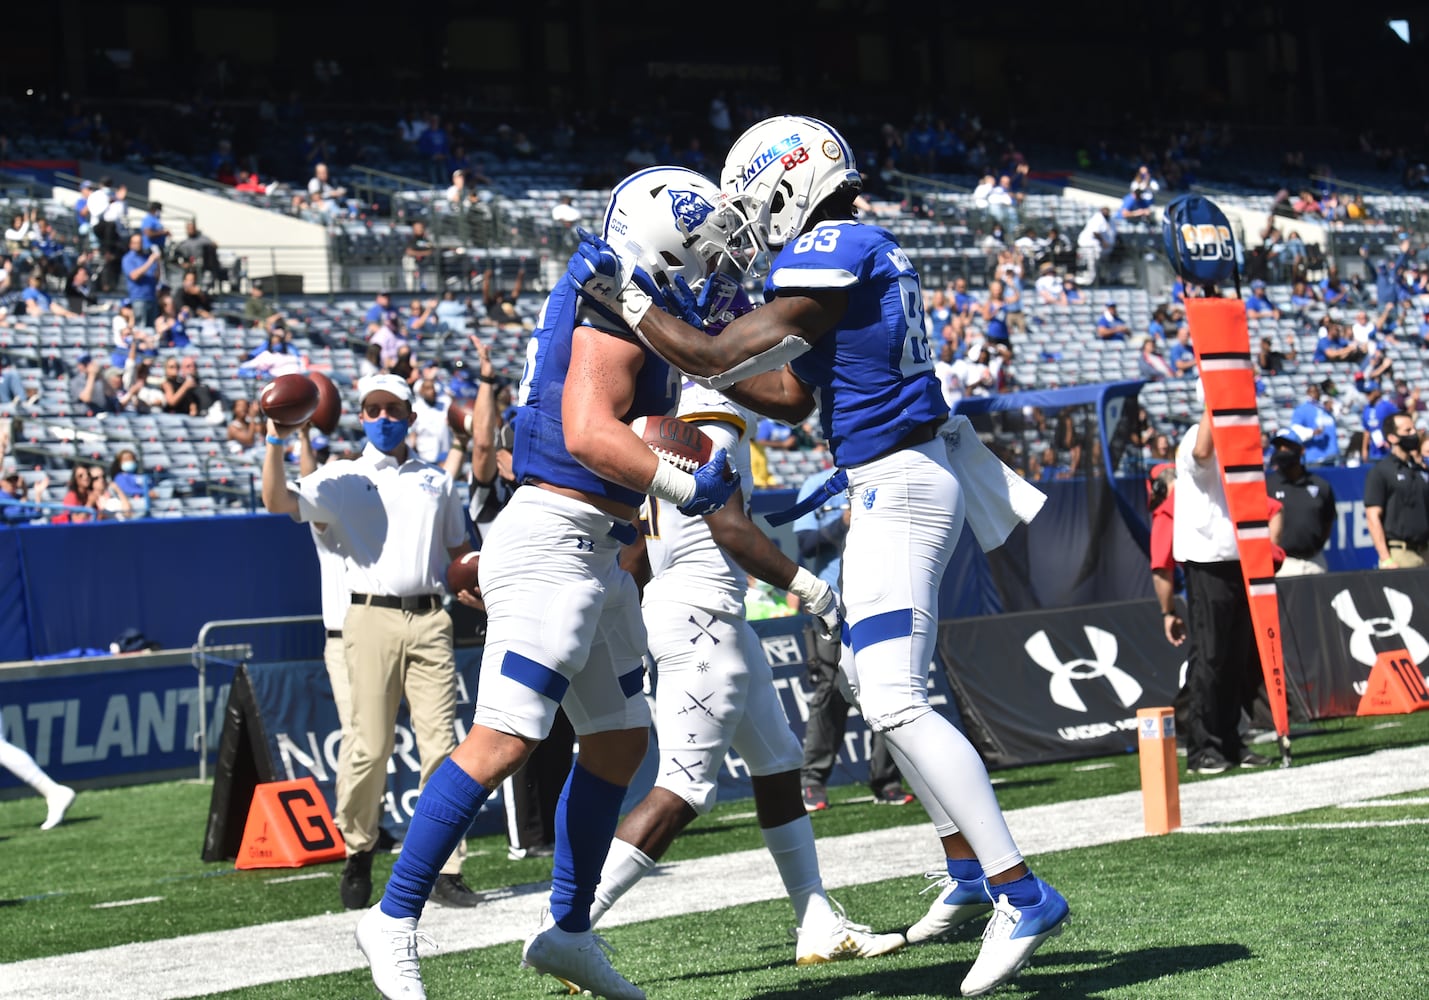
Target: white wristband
x=805, y=585
x=672, y=484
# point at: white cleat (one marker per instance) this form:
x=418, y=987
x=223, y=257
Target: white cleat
x=390, y=945
x=580, y=960
x=955, y=905
x=1011, y=936
x=57, y=804
x=842, y=941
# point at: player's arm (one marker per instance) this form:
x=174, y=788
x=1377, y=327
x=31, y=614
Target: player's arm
x=750, y=547
x=778, y=394
x=761, y=340
x=600, y=389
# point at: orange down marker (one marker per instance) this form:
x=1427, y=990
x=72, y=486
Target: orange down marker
x=1221, y=338
x=1160, y=786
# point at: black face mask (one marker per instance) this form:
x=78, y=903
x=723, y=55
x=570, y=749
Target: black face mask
x=1287, y=463
x=1409, y=442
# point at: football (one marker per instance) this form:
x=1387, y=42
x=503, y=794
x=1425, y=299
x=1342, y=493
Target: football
x=289, y=400
x=459, y=417
x=683, y=445
x=329, y=411
x=462, y=573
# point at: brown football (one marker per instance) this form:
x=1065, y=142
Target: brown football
x=683, y=445
x=289, y=400
x=329, y=412
x=462, y=573
x=459, y=417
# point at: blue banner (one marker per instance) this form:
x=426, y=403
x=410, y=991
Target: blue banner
x=127, y=721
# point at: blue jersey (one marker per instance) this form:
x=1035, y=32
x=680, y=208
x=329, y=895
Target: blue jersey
x=873, y=373
x=539, y=450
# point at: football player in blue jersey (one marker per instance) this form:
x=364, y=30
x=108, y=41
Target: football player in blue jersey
x=842, y=326
x=563, y=619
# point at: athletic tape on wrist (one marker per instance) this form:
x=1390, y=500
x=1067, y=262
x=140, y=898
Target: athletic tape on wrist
x=672, y=484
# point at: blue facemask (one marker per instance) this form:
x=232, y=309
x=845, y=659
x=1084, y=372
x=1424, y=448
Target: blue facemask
x=128, y=466
x=385, y=433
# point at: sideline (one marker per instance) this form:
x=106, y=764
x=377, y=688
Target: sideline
x=296, y=949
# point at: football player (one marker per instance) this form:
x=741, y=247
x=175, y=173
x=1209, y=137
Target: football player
x=714, y=689
x=843, y=325
x=563, y=618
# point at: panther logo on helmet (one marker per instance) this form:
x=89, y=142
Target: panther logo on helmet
x=690, y=208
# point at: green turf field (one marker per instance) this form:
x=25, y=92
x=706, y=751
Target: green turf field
x=1321, y=903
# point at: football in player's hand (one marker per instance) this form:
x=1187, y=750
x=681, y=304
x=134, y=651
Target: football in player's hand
x=289, y=400
x=329, y=410
x=462, y=573
x=459, y=417
x=683, y=445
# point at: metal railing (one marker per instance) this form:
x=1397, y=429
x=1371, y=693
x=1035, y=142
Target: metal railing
x=202, y=652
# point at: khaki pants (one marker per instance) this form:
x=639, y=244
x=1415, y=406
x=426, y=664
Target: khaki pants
x=335, y=659
x=1405, y=558
x=391, y=653
x=1303, y=567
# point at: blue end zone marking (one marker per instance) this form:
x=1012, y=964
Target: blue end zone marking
x=536, y=676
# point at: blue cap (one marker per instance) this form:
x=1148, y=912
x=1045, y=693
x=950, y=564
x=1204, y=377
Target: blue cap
x=1257, y=283
x=318, y=441
x=125, y=303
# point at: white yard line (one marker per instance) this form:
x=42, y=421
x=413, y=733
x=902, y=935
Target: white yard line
x=247, y=956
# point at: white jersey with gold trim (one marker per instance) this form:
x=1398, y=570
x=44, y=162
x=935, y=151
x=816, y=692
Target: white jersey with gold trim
x=686, y=564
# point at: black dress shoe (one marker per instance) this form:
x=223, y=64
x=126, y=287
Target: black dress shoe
x=450, y=890
x=356, y=885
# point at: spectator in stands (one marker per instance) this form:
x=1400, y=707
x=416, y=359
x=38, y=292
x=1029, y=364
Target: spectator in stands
x=774, y=435
x=199, y=251
x=431, y=435
x=171, y=325
x=937, y=312
x=81, y=211
x=1071, y=292
x=500, y=305
x=1378, y=409
x=51, y=257
x=77, y=494
x=100, y=391
x=434, y=145
x=456, y=191
x=1110, y=326
x=417, y=258
x=994, y=314
x=1272, y=362
x=193, y=298
x=38, y=301
x=1151, y=364
x=405, y=366
x=111, y=503
x=963, y=303
x=1374, y=371
x=141, y=272
x=1332, y=288
x=244, y=426
x=128, y=338
x=179, y=390
x=323, y=195
x=257, y=310
x=20, y=237
x=1095, y=243
x=125, y=473
x=80, y=293
x=1181, y=356
x=152, y=230
x=1051, y=467
x=1136, y=206
x=946, y=372
x=974, y=372
x=370, y=363
x=1365, y=332
x=1258, y=305
x=16, y=498
x=1048, y=285
x=422, y=318
x=1314, y=423
x=389, y=338
x=380, y=312
x=1332, y=345
x=145, y=395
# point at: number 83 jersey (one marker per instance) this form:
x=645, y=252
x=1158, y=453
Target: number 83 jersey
x=873, y=373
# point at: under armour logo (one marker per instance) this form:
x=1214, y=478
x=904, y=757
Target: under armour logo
x=1365, y=630
x=585, y=544
x=697, y=705
x=704, y=629
x=1102, y=664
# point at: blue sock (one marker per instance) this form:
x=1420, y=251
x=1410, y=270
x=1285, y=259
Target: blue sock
x=1025, y=891
x=448, y=803
x=595, y=805
x=965, y=870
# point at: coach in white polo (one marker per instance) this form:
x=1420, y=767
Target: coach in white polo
x=398, y=522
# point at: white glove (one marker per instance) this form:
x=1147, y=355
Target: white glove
x=820, y=600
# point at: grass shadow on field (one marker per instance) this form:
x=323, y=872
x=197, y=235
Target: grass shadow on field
x=1109, y=971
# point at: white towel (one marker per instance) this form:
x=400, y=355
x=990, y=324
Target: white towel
x=996, y=498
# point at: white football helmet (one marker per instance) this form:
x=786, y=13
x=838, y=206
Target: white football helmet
x=672, y=222
x=778, y=172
